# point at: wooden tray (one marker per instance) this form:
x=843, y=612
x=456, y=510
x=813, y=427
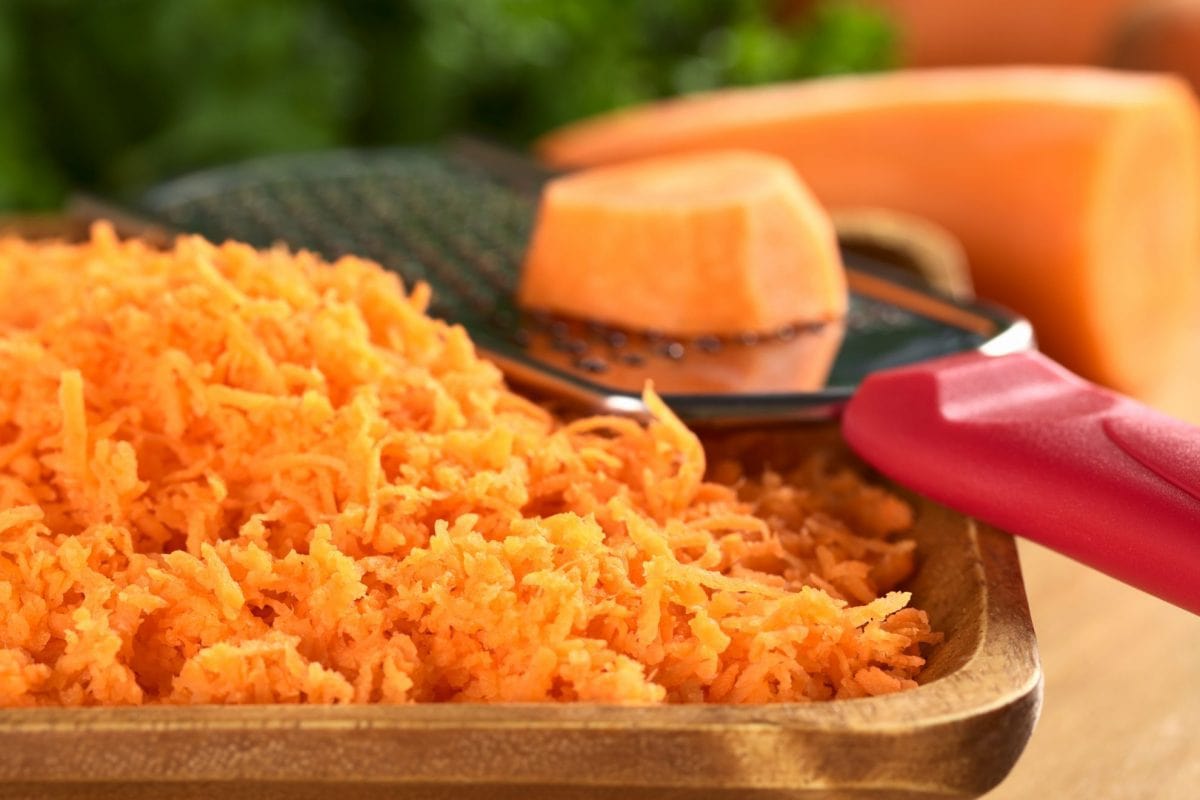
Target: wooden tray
x=957, y=735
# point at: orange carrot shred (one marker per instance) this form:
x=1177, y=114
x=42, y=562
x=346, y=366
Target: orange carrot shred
x=240, y=476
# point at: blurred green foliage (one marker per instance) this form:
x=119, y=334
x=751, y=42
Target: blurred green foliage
x=112, y=95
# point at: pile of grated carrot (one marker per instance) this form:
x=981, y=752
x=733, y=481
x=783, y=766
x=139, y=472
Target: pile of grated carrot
x=232, y=476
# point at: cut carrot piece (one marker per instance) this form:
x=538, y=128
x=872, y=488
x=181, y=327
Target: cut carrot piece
x=1076, y=192
x=716, y=243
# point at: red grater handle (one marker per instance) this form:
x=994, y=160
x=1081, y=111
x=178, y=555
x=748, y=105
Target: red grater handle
x=1021, y=443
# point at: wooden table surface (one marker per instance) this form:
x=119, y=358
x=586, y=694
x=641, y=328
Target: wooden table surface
x=1122, y=699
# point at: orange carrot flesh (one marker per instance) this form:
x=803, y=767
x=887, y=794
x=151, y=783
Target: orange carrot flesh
x=1076, y=192
x=715, y=243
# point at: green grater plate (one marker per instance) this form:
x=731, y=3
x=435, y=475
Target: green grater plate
x=458, y=218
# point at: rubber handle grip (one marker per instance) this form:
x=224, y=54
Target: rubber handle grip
x=1021, y=443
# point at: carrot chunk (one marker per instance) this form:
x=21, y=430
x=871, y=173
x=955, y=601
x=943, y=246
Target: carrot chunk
x=720, y=242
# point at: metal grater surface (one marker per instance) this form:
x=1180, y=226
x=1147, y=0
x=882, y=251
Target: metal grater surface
x=459, y=219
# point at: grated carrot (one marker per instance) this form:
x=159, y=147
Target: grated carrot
x=233, y=476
